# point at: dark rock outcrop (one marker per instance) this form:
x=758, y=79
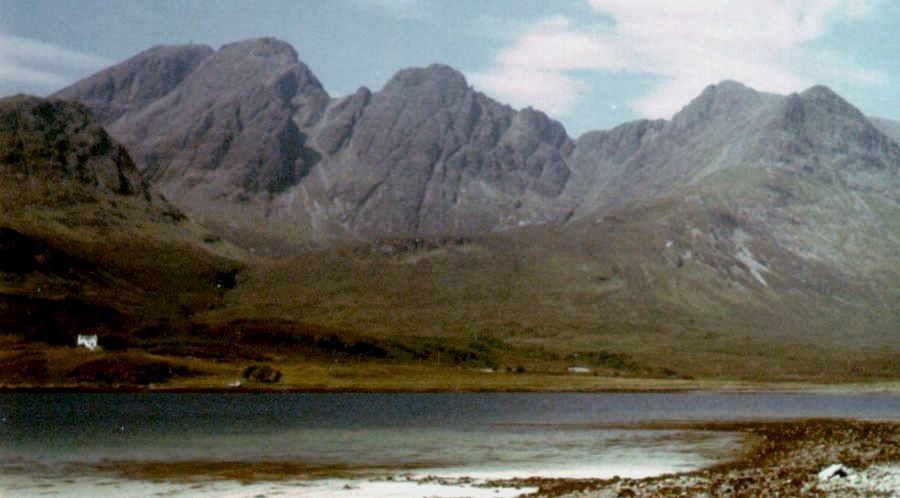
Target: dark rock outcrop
x=21, y=254
x=52, y=142
x=262, y=373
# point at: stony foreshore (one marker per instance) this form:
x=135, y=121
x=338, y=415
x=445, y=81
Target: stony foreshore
x=814, y=458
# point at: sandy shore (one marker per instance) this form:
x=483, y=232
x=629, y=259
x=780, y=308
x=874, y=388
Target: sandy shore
x=783, y=459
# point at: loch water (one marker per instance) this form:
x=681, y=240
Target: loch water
x=69, y=444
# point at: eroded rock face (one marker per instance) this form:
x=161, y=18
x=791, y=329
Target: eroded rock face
x=429, y=155
x=233, y=125
x=246, y=138
x=424, y=155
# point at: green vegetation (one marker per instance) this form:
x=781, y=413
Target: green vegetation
x=525, y=306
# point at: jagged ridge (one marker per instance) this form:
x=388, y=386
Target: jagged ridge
x=424, y=155
x=250, y=142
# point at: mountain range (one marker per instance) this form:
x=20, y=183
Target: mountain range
x=752, y=235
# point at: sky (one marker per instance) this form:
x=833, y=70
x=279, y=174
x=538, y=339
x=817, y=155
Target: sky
x=591, y=64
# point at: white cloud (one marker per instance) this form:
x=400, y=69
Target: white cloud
x=532, y=72
x=13, y=74
x=687, y=44
x=843, y=68
x=29, y=63
x=555, y=46
x=549, y=90
x=34, y=51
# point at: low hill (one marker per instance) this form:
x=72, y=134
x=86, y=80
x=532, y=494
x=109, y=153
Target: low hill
x=85, y=247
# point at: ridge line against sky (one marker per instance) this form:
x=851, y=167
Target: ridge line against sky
x=592, y=64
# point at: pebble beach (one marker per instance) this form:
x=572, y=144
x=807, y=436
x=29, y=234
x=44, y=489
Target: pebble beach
x=814, y=458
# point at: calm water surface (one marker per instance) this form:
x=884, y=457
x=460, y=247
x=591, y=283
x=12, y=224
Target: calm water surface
x=481, y=435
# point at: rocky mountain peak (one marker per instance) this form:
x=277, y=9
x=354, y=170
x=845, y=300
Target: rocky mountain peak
x=831, y=138
x=724, y=98
x=434, y=87
x=262, y=62
x=430, y=75
x=820, y=92
x=821, y=117
x=826, y=99
x=267, y=47
x=535, y=123
x=236, y=124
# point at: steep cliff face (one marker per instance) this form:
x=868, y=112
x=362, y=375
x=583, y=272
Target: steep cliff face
x=424, y=155
x=427, y=155
x=247, y=140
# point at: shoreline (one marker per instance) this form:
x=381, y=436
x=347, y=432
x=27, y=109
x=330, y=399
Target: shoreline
x=772, y=458
x=775, y=458
x=888, y=389
x=782, y=458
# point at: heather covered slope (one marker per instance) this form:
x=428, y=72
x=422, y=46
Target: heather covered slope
x=665, y=294
x=85, y=245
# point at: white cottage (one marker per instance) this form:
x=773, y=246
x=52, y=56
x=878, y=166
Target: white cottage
x=88, y=341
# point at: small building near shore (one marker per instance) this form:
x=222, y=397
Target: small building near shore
x=580, y=370
x=88, y=341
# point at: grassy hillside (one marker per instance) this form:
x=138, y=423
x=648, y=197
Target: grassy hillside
x=651, y=292
x=662, y=291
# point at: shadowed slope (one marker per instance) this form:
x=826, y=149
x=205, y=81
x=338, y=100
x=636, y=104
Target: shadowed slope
x=80, y=231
